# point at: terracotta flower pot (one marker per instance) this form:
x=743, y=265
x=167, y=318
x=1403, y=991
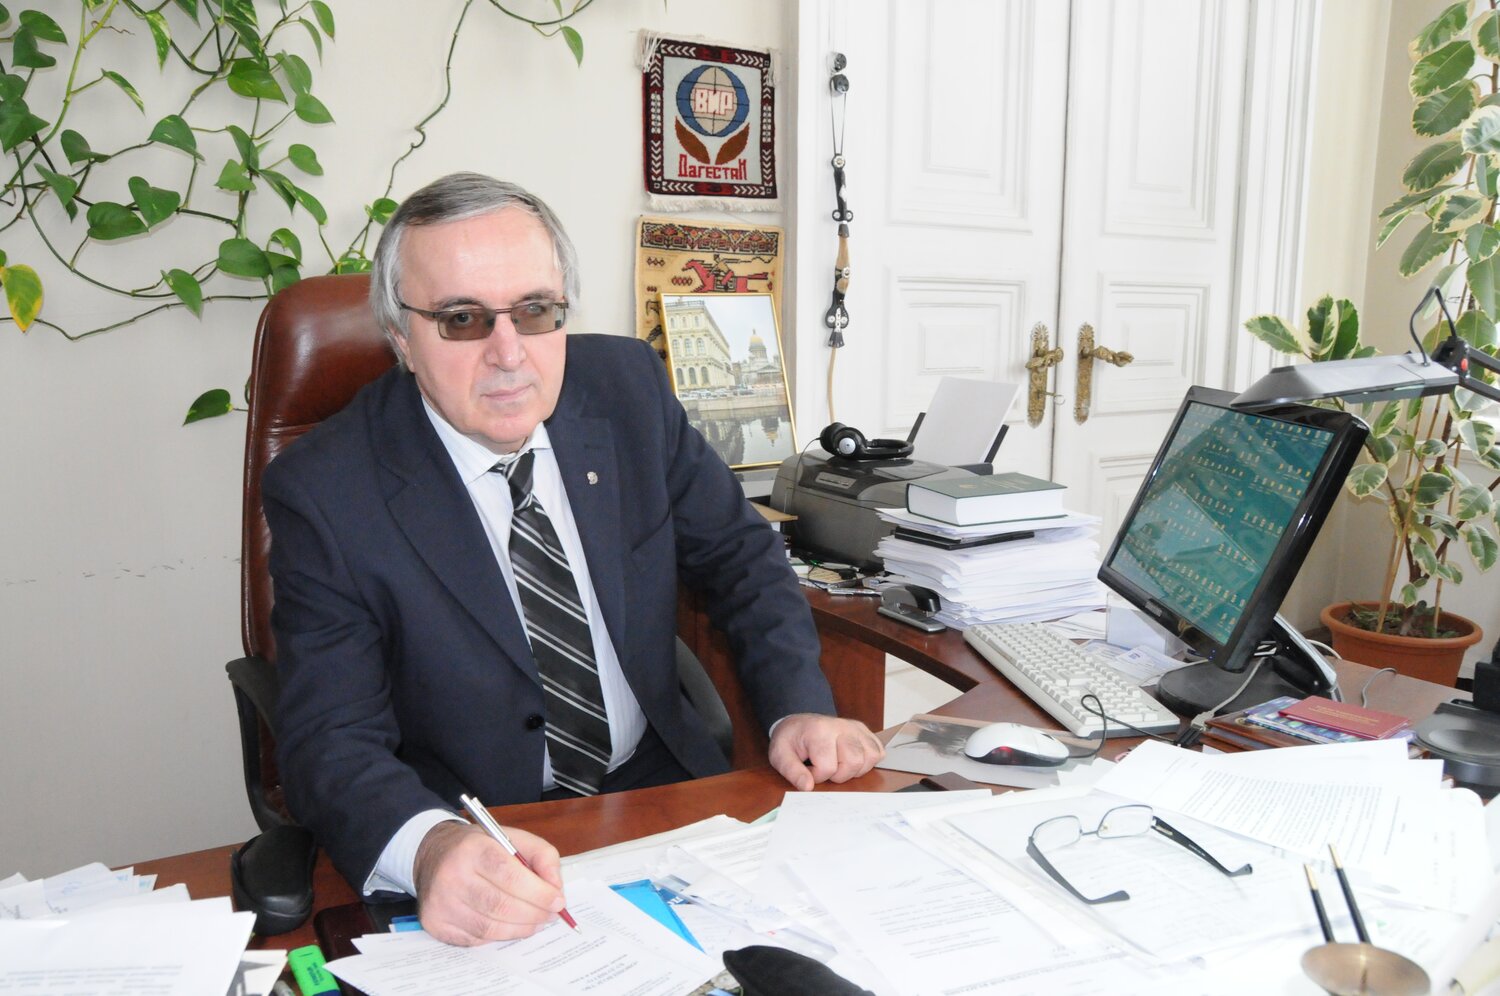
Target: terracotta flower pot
x=1431, y=659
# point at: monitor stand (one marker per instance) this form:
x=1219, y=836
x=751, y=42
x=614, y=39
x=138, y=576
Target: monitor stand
x=1294, y=668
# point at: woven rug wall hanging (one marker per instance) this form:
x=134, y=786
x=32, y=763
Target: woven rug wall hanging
x=678, y=256
x=710, y=125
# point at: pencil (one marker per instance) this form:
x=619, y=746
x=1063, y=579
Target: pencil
x=1359, y=921
x=1317, y=898
x=487, y=822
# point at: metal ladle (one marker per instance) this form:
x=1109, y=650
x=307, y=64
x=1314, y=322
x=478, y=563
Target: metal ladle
x=1357, y=969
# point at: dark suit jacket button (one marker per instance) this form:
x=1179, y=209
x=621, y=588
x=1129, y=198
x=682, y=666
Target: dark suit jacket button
x=535, y=722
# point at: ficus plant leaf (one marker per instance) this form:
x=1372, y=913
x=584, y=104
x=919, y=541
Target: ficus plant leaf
x=1441, y=112
x=1442, y=67
x=1442, y=28
x=1428, y=246
x=1433, y=165
x=1275, y=333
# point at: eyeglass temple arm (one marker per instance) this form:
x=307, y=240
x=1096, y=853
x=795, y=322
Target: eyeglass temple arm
x=1037, y=856
x=1170, y=832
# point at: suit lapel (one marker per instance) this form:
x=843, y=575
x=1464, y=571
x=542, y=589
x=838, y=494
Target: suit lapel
x=433, y=508
x=585, y=452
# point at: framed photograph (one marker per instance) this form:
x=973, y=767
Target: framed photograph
x=724, y=356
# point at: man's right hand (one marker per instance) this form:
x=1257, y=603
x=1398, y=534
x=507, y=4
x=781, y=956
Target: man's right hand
x=470, y=890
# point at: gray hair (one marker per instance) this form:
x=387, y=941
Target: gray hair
x=454, y=198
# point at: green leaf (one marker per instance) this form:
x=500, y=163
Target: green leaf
x=380, y=212
x=1317, y=323
x=208, y=405
x=1473, y=502
x=1275, y=333
x=5, y=16
x=1443, y=27
x=1366, y=478
x=297, y=72
x=1487, y=35
x=1346, y=337
x=76, y=148
x=575, y=43
x=283, y=277
x=1382, y=449
x=1461, y=209
x=281, y=185
x=249, y=154
x=1484, y=284
x=1426, y=247
x=189, y=7
x=249, y=78
x=1448, y=572
x=124, y=85
x=155, y=204
x=1409, y=201
x=1476, y=328
x=108, y=221
x=1428, y=449
x=12, y=87
x=1408, y=593
x=160, y=34
x=1442, y=68
x=187, y=289
x=1424, y=555
x=1432, y=488
x=1485, y=176
x=1481, y=242
x=1385, y=420
x=1482, y=546
x=311, y=109
x=17, y=124
x=42, y=26
x=234, y=177
x=285, y=238
x=1389, y=228
x=1433, y=165
x=1445, y=110
x=63, y=186
x=1477, y=435
x=25, y=54
x=1481, y=134
x=312, y=204
x=243, y=258
x=313, y=31
x=324, y=16
x=352, y=262
x=23, y=294
x=305, y=159
x=174, y=131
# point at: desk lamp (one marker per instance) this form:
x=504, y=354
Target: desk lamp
x=1465, y=734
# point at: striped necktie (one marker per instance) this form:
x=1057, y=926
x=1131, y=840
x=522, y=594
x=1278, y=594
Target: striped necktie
x=577, y=727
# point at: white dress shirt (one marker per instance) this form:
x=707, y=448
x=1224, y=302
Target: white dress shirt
x=490, y=493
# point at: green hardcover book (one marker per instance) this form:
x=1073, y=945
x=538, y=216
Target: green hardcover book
x=971, y=501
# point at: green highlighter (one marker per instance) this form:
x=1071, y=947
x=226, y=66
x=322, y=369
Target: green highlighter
x=311, y=971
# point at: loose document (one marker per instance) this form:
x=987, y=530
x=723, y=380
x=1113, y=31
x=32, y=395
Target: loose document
x=935, y=895
x=107, y=933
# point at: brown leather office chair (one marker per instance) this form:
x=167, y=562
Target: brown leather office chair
x=316, y=345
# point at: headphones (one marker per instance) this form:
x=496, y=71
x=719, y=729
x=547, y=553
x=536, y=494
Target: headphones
x=845, y=441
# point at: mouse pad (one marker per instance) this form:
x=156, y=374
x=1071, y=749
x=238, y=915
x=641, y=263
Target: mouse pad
x=930, y=745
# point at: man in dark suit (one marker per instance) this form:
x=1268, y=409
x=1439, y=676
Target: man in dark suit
x=476, y=567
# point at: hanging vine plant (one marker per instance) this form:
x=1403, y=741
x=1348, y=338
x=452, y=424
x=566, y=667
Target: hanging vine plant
x=222, y=45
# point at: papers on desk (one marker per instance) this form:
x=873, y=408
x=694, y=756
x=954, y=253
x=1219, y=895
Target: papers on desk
x=106, y=932
x=1050, y=574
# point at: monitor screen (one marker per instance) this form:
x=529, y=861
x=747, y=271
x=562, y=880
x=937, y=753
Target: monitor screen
x=1225, y=517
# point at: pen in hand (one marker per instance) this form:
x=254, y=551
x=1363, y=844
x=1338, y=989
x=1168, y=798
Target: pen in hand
x=481, y=816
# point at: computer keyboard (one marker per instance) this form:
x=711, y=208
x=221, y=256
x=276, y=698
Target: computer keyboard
x=1056, y=674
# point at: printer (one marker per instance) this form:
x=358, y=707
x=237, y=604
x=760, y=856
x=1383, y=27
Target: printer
x=834, y=499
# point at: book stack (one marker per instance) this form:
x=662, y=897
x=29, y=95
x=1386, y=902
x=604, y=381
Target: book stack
x=1291, y=722
x=996, y=549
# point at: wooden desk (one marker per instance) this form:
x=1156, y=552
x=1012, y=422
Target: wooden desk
x=856, y=640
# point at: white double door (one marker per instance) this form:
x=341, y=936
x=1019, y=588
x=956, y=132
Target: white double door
x=1018, y=164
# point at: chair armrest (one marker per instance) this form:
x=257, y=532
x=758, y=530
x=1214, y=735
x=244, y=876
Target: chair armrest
x=255, y=689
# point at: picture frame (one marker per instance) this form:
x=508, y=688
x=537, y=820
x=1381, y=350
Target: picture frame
x=727, y=369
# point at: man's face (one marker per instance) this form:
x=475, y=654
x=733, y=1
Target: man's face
x=497, y=389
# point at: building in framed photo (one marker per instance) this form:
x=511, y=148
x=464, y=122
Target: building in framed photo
x=724, y=354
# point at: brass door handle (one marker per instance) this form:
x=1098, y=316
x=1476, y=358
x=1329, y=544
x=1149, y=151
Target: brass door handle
x=1087, y=354
x=1041, y=359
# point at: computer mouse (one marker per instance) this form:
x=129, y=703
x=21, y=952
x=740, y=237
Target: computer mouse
x=1012, y=743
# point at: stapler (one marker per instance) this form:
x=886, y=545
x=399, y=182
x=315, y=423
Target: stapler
x=913, y=605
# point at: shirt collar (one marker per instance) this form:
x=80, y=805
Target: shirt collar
x=471, y=459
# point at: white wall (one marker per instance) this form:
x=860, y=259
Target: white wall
x=119, y=539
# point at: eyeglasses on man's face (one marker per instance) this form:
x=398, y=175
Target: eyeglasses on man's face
x=1122, y=821
x=473, y=321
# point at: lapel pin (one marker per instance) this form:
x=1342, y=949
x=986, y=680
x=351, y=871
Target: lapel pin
x=593, y=478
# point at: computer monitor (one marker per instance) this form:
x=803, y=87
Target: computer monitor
x=1216, y=534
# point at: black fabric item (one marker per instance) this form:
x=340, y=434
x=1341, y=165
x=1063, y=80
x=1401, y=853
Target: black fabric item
x=762, y=970
x=271, y=876
x=577, y=725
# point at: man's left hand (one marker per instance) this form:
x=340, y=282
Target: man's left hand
x=808, y=748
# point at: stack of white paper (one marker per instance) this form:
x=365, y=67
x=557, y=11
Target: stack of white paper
x=106, y=932
x=1051, y=574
